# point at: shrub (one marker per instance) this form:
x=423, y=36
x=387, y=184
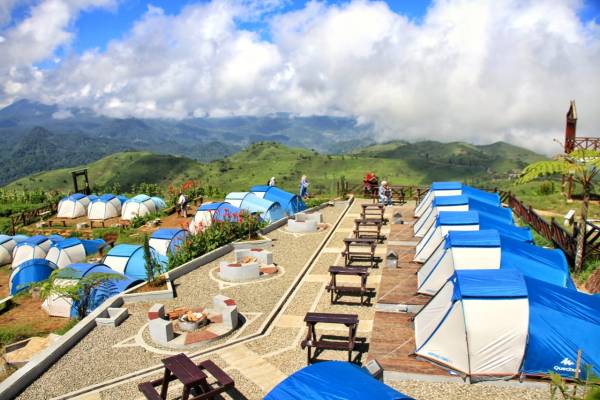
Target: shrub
x=214, y=236
x=546, y=188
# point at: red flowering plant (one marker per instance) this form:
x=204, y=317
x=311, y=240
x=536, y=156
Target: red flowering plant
x=232, y=227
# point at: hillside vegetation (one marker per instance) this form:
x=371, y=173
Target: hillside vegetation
x=398, y=162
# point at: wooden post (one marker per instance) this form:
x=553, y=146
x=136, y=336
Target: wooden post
x=12, y=225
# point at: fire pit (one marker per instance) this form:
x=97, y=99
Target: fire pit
x=191, y=321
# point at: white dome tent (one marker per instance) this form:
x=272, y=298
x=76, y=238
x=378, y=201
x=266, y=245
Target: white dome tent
x=138, y=206
x=36, y=247
x=74, y=206
x=66, y=252
x=7, y=245
x=105, y=207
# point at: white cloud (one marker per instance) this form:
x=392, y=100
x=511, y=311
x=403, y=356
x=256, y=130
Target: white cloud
x=473, y=70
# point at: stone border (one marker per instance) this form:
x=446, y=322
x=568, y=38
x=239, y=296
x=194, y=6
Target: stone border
x=24, y=376
x=5, y=304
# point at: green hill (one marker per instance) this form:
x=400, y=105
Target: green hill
x=398, y=162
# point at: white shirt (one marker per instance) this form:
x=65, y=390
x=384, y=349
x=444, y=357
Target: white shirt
x=181, y=199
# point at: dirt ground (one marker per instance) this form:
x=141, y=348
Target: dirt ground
x=28, y=311
x=4, y=278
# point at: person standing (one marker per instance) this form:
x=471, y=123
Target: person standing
x=272, y=181
x=385, y=194
x=304, y=187
x=182, y=203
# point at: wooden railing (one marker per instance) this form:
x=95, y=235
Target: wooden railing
x=552, y=230
x=28, y=217
x=592, y=240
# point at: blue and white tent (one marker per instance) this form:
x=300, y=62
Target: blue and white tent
x=167, y=239
x=28, y=272
x=440, y=189
x=61, y=307
x=128, y=259
x=486, y=249
x=498, y=323
x=291, y=203
x=159, y=203
x=447, y=221
x=7, y=245
x=73, y=206
x=333, y=380
x=209, y=212
x=104, y=207
x=72, y=250
x=460, y=203
x=33, y=247
x=138, y=206
x=269, y=211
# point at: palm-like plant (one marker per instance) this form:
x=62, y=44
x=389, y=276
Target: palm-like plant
x=583, y=166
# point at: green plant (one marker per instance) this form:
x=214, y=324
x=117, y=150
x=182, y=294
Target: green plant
x=217, y=234
x=583, y=166
x=577, y=389
x=546, y=188
x=78, y=291
x=138, y=221
x=152, y=265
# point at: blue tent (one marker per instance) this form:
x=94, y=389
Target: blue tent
x=28, y=272
x=221, y=211
x=20, y=238
x=501, y=213
x=269, y=211
x=76, y=196
x=485, y=222
x=122, y=198
x=499, y=323
x=477, y=194
x=159, y=203
x=128, y=259
x=333, y=380
x=486, y=249
x=106, y=290
x=168, y=239
x=291, y=203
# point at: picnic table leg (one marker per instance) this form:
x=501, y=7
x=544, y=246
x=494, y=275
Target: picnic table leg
x=165, y=384
x=186, y=392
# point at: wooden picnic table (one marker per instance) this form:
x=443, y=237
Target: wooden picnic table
x=368, y=228
x=338, y=290
x=181, y=367
x=351, y=255
x=373, y=211
x=311, y=340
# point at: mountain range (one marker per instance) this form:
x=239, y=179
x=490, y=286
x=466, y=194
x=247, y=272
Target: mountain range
x=44, y=136
x=398, y=162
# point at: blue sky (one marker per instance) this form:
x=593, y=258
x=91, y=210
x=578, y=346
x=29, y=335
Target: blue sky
x=95, y=28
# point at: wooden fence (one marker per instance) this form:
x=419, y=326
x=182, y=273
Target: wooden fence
x=30, y=216
x=592, y=240
x=552, y=230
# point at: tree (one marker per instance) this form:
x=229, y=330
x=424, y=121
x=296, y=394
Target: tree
x=583, y=166
x=152, y=265
x=78, y=291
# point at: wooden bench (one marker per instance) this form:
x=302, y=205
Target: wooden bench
x=368, y=228
x=312, y=341
x=180, y=367
x=351, y=255
x=338, y=290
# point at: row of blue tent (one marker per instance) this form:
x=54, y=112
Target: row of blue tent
x=501, y=305
x=269, y=202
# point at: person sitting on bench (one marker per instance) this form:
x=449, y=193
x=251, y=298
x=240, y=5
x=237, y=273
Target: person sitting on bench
x=385, y=194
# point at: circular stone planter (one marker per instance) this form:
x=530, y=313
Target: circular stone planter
x=238, y=272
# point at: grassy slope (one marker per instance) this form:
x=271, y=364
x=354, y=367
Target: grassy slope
x=398, y=162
